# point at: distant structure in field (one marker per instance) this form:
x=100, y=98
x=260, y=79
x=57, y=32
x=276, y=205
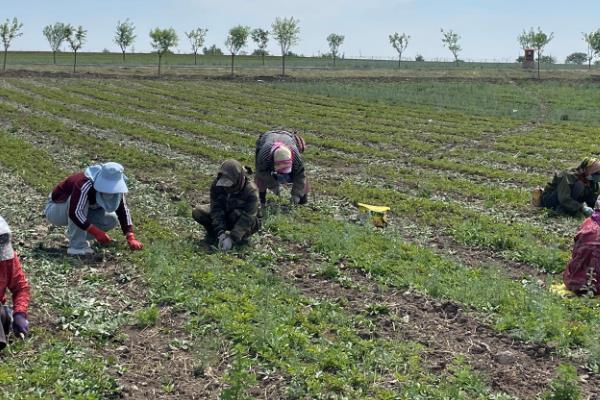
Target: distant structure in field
x=528, y=58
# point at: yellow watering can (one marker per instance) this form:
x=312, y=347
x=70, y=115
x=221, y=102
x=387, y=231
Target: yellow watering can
x=377, y=214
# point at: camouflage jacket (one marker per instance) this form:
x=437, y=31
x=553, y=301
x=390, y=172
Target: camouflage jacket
x=568, y=193
x=235, y=212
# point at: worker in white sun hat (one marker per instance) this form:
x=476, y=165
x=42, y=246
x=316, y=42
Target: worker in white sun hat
x=90, y=203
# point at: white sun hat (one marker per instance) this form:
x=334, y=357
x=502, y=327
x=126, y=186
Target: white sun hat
x=108, y=177
x=6, y=249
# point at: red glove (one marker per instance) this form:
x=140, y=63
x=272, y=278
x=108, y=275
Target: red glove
x=99, y=234
x=133, y=244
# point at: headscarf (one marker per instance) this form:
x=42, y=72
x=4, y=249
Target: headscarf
x=589, y=166
x=6, y=249
x=282, y=158
x=233, y=171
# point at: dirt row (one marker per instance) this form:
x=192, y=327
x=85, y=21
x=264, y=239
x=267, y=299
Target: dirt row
x=440, y=77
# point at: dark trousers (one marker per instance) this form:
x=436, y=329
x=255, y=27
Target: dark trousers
x=5, y=321
x=202, y=216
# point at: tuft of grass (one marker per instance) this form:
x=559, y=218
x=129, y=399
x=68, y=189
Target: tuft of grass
x=147, y=317
x=564, y=386
x=56, y=369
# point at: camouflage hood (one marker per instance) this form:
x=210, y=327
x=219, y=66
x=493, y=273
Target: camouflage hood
x=233, y=171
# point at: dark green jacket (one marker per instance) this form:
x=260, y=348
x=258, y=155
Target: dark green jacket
x=235, y=212
x=568, y=193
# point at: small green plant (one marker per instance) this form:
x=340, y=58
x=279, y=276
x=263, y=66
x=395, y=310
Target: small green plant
x=329, y=271
x=147, y=317
x=378, y=309
x=564, y=386
x=239, y=378
x=183, y=209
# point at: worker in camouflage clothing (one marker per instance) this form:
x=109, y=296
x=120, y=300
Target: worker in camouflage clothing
x=574, y=190
x=278, y=162
x=232, y=215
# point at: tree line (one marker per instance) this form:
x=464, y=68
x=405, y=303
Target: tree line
x=285, y=31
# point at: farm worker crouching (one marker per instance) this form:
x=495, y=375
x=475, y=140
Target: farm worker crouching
x=574, y=190
x=583, y=271
x=12, y=278
x=278, y=161
x=232, y=215
x=90, y=203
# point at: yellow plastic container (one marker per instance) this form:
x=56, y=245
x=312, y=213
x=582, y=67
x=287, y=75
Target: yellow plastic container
x=377, y=214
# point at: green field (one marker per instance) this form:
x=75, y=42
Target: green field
x=246, y=65
x=450, y=301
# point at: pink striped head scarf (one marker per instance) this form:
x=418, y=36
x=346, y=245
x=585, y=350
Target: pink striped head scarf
x=282, y=158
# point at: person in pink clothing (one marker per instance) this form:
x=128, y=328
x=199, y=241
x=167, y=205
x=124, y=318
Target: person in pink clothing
x=582, y=274
x=12, y=278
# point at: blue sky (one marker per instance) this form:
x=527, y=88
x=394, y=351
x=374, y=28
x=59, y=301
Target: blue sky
x=488, y=27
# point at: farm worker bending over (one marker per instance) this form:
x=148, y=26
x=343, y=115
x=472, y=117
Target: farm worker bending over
x=232, y=215
x=13, y=278
x=278, y=161
x=582, y=273
x=574, y=190
x=90, y=203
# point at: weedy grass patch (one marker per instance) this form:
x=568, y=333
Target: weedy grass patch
x=522, y=308
x=314, y=343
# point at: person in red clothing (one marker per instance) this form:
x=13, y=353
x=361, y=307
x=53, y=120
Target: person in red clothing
x=90, y=203
x=582, y=274
x=13, y=279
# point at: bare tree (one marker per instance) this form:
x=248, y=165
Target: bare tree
x=56, y=34
x=335, y=41
x=286, y=32
x=400, y=43
x=124, y=36
x=76, y=39
x=261, y=38
x=162, y=41
x=237, y=38
x=8, y=31
x=524, y=40
x=593, y=45
x=450, y=40
x=196, y=37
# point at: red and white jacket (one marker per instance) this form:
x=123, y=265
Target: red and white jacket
x=83, y=195
x=13, y=278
